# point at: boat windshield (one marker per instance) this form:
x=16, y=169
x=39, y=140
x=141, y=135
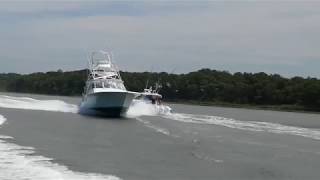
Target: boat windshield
x=109, y=83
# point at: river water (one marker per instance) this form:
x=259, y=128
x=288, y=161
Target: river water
x=44, y=137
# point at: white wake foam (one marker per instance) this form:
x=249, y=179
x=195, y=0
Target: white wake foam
x=2, y=119
x=20, y=163
x=245, y=125
x=137, y=108
x=142, y=108
x=34, y=104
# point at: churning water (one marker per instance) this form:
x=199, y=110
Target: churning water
x=21, y=162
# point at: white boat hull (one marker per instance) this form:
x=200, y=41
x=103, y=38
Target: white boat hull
x=110, y=104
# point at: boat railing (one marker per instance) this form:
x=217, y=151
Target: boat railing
x=102, y=72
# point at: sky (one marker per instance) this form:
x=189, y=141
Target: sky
x=280, y=37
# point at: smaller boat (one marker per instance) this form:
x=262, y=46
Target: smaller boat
x=151, y=96
x=105, y=93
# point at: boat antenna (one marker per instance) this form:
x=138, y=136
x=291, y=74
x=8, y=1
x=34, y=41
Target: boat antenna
x=157, y=87
x=111, y=54
x=89, y=63
x=173, y=70
x=147, y=84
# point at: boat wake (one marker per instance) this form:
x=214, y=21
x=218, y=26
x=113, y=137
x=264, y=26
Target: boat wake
x=141, y=108
x=244, y=125
x=138, y=108
x=34, y=104
x=20, y=163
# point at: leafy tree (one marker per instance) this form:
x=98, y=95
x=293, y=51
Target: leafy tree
x=203, y=85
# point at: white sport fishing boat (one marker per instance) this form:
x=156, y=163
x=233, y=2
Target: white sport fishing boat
x=105, y=93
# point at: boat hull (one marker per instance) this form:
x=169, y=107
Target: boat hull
x=109, y=104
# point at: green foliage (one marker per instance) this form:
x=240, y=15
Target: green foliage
x=54, y=83
x=205, y=85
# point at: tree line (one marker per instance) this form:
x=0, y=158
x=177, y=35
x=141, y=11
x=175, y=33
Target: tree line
x=205, y=85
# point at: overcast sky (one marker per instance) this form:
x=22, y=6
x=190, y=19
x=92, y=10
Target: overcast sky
x=274, y=37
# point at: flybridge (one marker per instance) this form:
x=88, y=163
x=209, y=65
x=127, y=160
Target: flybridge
x=101, y=66
x=105, y=93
